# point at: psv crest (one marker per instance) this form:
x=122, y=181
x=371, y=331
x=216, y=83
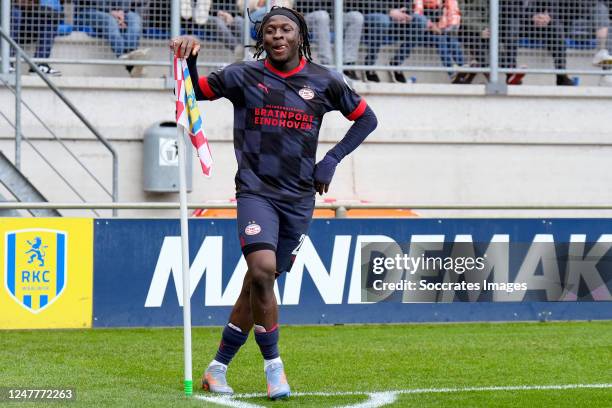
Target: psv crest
x=35, y=269
x=306, y=93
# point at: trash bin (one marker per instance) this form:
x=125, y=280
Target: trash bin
x=160, y=159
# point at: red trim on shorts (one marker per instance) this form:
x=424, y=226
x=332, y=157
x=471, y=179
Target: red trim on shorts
x=205, y=87
x=359, y=110
x=282, y=74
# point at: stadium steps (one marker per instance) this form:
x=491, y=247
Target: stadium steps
x=19, y=185
x=53, y=155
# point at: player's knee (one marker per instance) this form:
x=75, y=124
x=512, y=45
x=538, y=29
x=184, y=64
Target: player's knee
x=263, y=280
x=262, y=273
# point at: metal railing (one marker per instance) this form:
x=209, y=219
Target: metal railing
x=339, y=208
x=478, y=37
x=19, y=54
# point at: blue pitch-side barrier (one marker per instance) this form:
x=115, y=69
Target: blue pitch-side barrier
x=137, y=262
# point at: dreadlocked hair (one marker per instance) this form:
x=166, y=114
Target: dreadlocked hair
x=304, y=48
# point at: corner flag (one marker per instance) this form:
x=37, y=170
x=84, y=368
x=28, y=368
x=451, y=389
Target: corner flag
x=188, y=115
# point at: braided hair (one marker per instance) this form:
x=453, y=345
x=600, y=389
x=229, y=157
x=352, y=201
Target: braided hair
x=304, y=47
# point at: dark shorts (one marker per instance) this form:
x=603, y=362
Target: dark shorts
x=280, y=226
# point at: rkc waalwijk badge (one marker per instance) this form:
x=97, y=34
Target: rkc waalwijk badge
x=35, y=267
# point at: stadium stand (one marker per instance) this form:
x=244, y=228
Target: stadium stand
x=577, y=31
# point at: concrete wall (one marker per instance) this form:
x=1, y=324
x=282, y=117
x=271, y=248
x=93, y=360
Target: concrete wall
x=435, y=144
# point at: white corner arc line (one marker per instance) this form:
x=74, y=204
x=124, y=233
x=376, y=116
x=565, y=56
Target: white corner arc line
x=503, y=388
x=379, y=399
x=375, y=400
x=228, y=401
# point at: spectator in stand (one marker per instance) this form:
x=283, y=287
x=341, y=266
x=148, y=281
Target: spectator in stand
x=434, y=23
x=34, y=21
x=257, y=9
x=601, y=17
x=474, y=31
x=219, y=18
x=582, y=18
x=475, y=34
x=602, y=9
x=318, y=15
x=385, y=22
x=542, y=21
x=119, y=22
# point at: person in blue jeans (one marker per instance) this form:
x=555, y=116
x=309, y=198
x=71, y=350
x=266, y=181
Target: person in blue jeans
x=36, y=21
x=393, y=21
x=117, y=22
x=421, y=32
x=385, y=22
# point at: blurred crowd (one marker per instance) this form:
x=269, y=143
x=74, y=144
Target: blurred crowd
x=458, y=30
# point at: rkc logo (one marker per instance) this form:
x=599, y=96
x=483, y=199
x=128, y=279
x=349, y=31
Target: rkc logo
x=35, y=267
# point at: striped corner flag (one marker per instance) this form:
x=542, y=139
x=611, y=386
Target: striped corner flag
x=188, y=115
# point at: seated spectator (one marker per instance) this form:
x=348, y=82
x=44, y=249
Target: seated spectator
x=475, y=34
x=384, y=22
x=542, y=21
x=257, y=8
x=474, y=31
x=33, y=21
x=219, y=18
x=601, y=17
x=434, y=23
x=583, y=19
x=317, y=14
x=602, y=9
x=118, y=22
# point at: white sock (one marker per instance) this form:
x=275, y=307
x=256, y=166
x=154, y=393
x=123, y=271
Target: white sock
x=216, y=363
x=233, y=326
x=274, y=360
x=258, y=329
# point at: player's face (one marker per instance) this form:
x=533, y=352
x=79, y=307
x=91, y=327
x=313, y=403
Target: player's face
x=281, y=40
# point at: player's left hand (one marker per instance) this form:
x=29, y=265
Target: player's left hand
x=321, y=188
x=323, y=174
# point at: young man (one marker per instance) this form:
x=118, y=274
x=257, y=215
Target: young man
x=279, y=102
x=543, y=22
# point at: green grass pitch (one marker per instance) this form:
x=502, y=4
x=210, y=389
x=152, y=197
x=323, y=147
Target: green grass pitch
x=143, y=367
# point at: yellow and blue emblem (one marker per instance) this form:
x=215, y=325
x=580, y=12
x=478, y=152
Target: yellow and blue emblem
x=35, y=267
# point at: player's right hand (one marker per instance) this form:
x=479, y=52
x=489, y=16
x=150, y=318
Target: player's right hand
x=185, y=45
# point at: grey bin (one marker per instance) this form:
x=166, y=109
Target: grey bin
x=160, y=159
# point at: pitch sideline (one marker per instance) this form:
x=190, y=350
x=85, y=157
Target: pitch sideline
x=379, y=399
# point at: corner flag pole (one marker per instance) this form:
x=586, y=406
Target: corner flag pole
x=182, y=156
x=188, y=119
